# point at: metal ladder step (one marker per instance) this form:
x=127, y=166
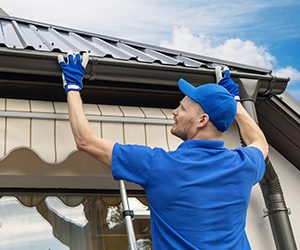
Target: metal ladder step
x=141, y=214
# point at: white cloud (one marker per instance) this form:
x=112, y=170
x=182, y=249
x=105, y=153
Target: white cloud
x=290, y=72
x=246, y=52
x=236, y=50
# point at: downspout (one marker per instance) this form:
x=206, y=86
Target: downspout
x=276, y=208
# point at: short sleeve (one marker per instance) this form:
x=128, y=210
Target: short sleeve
x=259, y=162
x=132, y=163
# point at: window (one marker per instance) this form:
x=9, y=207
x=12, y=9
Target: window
x=68, y=222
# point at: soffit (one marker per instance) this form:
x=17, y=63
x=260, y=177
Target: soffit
x=280, y=123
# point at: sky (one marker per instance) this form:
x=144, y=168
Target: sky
x=255, y=32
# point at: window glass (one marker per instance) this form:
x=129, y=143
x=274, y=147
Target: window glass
x=56, y=223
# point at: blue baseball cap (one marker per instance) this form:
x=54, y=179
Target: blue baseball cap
x=215, y=100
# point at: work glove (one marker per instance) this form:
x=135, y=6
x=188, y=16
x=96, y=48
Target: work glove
x=73, y=70
x=223, y=79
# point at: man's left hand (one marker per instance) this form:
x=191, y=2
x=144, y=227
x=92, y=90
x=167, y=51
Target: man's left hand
x=223, y=79
x=73, y=70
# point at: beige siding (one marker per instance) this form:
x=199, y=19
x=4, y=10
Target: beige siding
x=155, y=134
x=42, y=137
x=134, y=133
x=17, y=133
x=64, y=139
x=53, y=139
x=18, y=129
x=111, y=130
x=17, y=105
x=41, y=107
x=63, y=134
x=2, y=104
x=60, y=107
x=42, y=131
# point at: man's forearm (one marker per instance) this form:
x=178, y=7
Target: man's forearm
x=80, y=126
x=250, y=131
x=100, y=149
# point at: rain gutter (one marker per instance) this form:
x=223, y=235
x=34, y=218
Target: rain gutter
x=127, y=71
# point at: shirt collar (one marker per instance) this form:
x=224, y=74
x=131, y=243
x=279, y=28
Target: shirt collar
x=202, y=144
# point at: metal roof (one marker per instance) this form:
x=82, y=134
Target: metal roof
x=24, y=34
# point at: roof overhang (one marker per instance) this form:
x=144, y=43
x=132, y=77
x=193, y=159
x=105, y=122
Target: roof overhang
x=281, y=125
x=29, y=74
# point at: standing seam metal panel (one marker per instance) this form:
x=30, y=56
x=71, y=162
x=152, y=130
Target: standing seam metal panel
x=23, y=34
x=11, y=39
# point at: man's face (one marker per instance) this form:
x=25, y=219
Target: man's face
x=185, y=119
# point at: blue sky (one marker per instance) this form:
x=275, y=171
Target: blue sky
x=261, y=33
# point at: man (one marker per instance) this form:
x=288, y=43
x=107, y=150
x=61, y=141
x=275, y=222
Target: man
x=198, y=194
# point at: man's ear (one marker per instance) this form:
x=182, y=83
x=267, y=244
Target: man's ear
x=203, y=120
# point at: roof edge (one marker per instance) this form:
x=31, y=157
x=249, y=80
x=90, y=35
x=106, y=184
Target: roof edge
x=149, y=46
x=107, y=69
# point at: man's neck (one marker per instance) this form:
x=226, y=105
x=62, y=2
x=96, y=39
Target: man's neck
x=206, y=135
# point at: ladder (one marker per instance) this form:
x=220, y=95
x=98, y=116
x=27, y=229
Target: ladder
x=128, y=215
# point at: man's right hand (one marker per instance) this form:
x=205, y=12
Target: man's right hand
x=73, y=70
x=223, y=79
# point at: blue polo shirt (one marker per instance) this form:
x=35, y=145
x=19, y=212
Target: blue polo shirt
x=198, y=194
